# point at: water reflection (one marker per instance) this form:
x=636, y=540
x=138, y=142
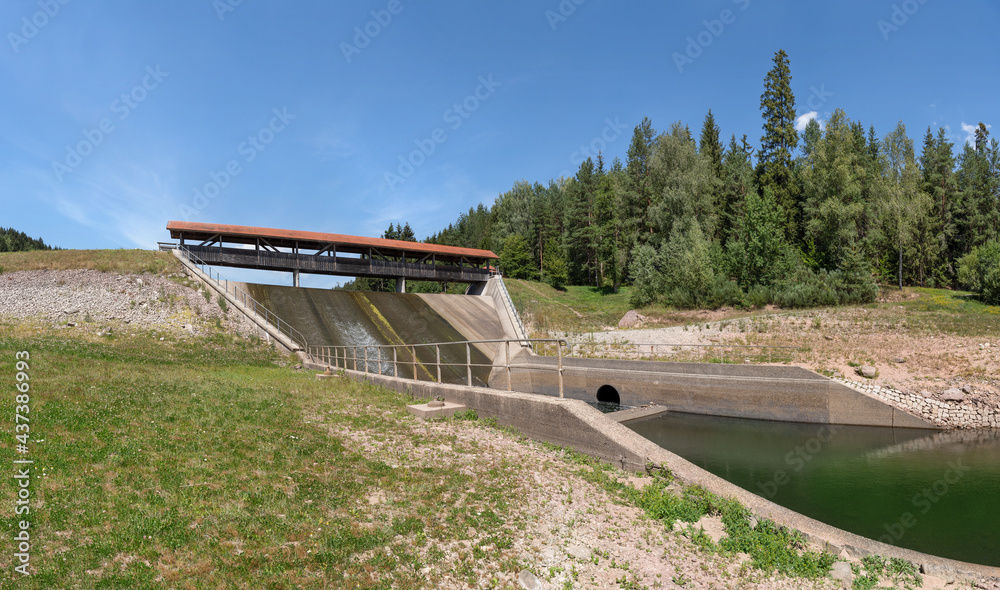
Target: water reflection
x=931, y=491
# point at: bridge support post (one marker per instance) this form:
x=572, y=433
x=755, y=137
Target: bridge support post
x=295, y=278
x=401, y=285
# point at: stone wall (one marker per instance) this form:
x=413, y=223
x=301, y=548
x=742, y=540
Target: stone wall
x=942, y=413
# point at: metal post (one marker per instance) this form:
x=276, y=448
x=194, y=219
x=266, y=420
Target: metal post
x=559, y=353
x=437, y=349
x=395, y=364
x=354, y=353
x=506, y=354
x=366, y=359
x=413, y=351
x=379, y=350
x=468, y=362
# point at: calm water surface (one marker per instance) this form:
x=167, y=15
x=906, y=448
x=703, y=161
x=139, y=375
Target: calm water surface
x=936, y=492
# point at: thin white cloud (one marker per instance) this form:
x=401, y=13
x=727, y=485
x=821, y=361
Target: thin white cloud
x=970, y=132
x=802, y=120
x=330, y=147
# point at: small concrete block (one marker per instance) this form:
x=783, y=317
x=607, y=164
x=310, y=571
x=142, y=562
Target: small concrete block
x=321, y=376
x=427, y=412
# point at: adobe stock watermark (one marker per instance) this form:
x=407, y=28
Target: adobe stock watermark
x=363, y=35
x=123, y=106
x=612, y=131
x=711, y=30
x=797, y=458
x=564, y=10
x=249, y=149
x=924, y=500
x=31, y=26
x=899, y=16
x=224, y=7
x=818, y=97
x=454, y=116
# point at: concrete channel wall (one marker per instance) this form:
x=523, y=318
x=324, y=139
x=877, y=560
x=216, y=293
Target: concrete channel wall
x=573, y=423
x=762, y=392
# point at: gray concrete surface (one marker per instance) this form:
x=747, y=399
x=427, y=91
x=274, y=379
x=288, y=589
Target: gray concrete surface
x=763, y=392
x=475, y=318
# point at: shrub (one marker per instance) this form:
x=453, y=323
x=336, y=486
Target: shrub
x=979, y=272
x=722, y=292
x=647, y=276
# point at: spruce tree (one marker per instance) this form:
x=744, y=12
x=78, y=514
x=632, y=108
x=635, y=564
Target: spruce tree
x=774, y=170
x=710, y=146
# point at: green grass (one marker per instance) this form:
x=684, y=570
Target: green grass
x=117, y=261
x=204, y=464
x=577, y=309
x=951, y=312
x=771, y=547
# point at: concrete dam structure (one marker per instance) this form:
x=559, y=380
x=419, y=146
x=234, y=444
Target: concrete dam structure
x=389, y=334
x=368, y=319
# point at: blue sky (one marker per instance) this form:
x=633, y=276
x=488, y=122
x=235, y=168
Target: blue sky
x=118, y=116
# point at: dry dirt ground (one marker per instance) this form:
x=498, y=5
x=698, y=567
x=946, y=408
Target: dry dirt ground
x=574, y=533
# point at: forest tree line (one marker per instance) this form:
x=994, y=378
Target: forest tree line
x=812, y=218
x=12, y=240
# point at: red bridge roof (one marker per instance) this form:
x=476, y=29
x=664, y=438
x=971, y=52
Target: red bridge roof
x=287, y=238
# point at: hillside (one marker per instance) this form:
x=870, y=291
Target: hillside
x=179, y=457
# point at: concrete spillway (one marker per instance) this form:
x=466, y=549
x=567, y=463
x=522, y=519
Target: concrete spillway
x=360, y=318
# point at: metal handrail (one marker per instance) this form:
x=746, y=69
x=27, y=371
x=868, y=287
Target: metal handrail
x=258, y=309
x=510, y=303
x=337, y=355
x=638, y=348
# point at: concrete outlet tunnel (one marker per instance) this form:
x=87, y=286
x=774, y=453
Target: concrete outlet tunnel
x=608, y=394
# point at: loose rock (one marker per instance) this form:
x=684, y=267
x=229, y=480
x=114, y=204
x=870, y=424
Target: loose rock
x=528, y=581
x=842, y=572
x=953, y=395
x=631, y=319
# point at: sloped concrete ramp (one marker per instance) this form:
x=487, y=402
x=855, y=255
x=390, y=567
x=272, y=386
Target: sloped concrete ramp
x=358, y=318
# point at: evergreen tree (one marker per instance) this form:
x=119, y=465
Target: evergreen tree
x=710, y=146
x=977, y=219
x=774, y=168
x=938, y=164
x=606, y=222
x=12, y=240
x=580, y=238
x=738, y=180
x=634, y=194
x=810, y=135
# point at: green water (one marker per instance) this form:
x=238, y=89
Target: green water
x=935, y=492
x=356, y=318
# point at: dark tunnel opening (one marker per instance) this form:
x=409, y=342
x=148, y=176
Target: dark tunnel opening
x=608, y=394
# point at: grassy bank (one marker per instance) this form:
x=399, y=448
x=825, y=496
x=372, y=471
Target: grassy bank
x=198, y=464
x=582, y=309
x=117, y=261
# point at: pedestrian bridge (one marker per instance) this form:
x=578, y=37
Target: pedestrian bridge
x=295, y=251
